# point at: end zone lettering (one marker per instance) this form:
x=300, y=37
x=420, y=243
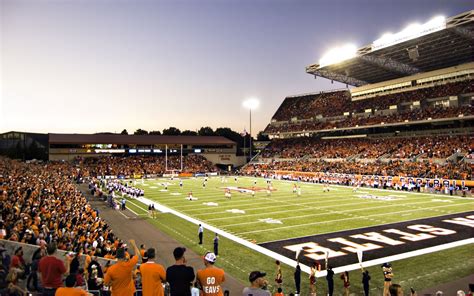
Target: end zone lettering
x=378, y=241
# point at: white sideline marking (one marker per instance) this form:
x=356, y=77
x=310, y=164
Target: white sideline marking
x=232, y=237
x=120, y=211
x=126, y=217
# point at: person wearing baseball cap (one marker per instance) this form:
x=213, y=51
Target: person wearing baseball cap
x=258, y=284
x=211, y=277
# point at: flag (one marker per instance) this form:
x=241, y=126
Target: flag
x=359, y=256
x=244, y=133
x=298, y=252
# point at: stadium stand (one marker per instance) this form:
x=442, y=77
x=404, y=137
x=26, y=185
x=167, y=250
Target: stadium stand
x=143, y=165
x=42, y=204
x=425, y=147
x=424, y=157
x=326, y=110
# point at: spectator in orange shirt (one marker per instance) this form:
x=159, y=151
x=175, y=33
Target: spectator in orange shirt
x=211, y=277
x=153, y=275
x=70, y=290
x=279, y=292
x=142, y=250
x=120, y=275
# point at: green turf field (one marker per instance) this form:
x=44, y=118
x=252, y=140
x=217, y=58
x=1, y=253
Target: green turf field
x=314, y=212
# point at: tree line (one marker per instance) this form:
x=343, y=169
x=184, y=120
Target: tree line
x=203, y=131
x=242, y=139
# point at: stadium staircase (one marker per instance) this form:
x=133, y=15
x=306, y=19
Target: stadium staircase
x=383, y=157
x=353, y=157
x=467, y=160
x=455, y=157
x=306, y=157
x=415, y=158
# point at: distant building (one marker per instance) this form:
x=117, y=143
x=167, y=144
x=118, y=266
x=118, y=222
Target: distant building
x=218, y=150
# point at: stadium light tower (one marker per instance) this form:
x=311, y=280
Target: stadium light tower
x=251, y=104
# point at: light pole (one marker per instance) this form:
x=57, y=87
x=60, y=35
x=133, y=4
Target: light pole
x=251, y=104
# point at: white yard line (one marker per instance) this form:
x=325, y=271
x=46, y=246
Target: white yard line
x=120, y=211
x=315, y=215
x=331, y=221
x=126, y=217
x=264, y=209
x=263, y=199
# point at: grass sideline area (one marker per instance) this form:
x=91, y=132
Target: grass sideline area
x=295, y=212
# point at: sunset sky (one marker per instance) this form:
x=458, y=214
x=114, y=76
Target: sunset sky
x=88, y=66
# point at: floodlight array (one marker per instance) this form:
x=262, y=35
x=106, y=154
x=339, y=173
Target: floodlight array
x=338, y=54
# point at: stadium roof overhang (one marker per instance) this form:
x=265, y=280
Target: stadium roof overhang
x=451, y=46
x=137, y=139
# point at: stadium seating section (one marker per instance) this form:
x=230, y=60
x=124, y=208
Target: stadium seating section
x=415, y=157
x=326, y=110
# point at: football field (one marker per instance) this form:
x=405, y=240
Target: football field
x=283, y=214
x=280, y=219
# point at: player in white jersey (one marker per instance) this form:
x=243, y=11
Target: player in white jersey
x=326, y=187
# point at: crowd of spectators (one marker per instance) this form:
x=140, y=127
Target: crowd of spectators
x=422, y=169
x=439, y=147
x=335, y=104
x=353, y=121
x=144, y=165
x=40, y=203
x=326, y=104
x=411, y=156
x=385, y=101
